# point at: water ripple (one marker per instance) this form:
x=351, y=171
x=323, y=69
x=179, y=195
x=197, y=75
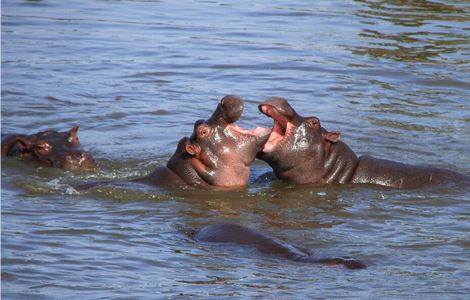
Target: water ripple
x=390, y=75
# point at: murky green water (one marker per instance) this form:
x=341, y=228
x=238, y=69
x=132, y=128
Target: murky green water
x=392, y=76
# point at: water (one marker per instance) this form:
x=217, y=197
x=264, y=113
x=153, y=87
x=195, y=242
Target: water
x=392, y=76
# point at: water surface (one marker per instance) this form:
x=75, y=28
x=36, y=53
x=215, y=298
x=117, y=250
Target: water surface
x=392, y=76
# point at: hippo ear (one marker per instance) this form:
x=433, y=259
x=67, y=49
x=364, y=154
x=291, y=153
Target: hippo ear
x=73, y=135
x=23, y=144
x=193, y=149
x=332, y=136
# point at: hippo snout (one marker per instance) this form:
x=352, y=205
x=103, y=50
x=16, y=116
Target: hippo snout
x=79, y=161
x=228, y=111
x=278, y=106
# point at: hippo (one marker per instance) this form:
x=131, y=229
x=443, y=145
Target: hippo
x=241, y=235
x=50, y=148
x=300, y=151
x=217, y=155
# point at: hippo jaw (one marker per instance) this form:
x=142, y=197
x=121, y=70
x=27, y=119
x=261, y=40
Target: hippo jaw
x=79, y=160
x=221, y=151
x=291, y=146
x=259, y=136
x=282, y=130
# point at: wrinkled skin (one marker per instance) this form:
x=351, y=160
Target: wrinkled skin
x=218, y=154
x=50, y=148
x=237, y=234
x=301, y=151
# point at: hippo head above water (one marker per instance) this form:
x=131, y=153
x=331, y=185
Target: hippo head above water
x=301, y=151
x=51, y=148
x=295, y=142
x=220, y=152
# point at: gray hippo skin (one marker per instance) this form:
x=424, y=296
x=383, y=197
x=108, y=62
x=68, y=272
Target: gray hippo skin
x=301, y=151
x=50, y=148
x=237, y=234
x=218, y=154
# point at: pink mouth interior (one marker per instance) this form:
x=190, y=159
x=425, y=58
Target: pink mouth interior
x=279, y=129
x=257, y=132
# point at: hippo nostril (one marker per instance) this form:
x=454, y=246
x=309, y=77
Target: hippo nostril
x=228, y=111
x=231, y=100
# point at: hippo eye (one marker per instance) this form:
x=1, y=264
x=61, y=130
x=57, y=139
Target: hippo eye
x=203, y=131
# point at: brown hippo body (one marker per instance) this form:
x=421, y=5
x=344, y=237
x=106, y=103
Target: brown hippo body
x=240, y=235
x=398, y=175
x=301, y=151
x=218, y=154
x=178, y=172
x=50, y=148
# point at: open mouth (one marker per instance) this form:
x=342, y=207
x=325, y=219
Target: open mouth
x=256, y=132
x=279, y=128
x=230, y=110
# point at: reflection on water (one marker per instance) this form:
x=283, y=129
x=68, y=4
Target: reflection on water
x=425, y=31
x=390, y=75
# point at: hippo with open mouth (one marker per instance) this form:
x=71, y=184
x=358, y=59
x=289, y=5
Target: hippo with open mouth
x=301, y=151
x=218, y=153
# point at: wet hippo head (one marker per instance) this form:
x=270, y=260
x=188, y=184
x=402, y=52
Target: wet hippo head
x=301, y=151
x=294, y=141
x=55, y=149
x=221, y=152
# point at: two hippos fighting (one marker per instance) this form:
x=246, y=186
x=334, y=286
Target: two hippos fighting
x=219, y=153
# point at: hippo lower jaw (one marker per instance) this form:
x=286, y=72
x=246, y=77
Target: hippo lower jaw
x=277, y=135
x=83, y=162
x=260, y=134
x=280, y=128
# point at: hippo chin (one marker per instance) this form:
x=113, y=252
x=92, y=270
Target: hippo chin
x=50, y=148
x=240, y=235
x=218, y=154
x=301, y=151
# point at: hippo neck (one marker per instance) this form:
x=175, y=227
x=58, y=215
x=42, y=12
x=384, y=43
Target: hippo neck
x=339, y=164
x=180, y=164
x=334, y=163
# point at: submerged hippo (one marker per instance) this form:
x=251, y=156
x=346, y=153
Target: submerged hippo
x=237, y=234
x=301, y=151
x=218, y=154
x=50, y=148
